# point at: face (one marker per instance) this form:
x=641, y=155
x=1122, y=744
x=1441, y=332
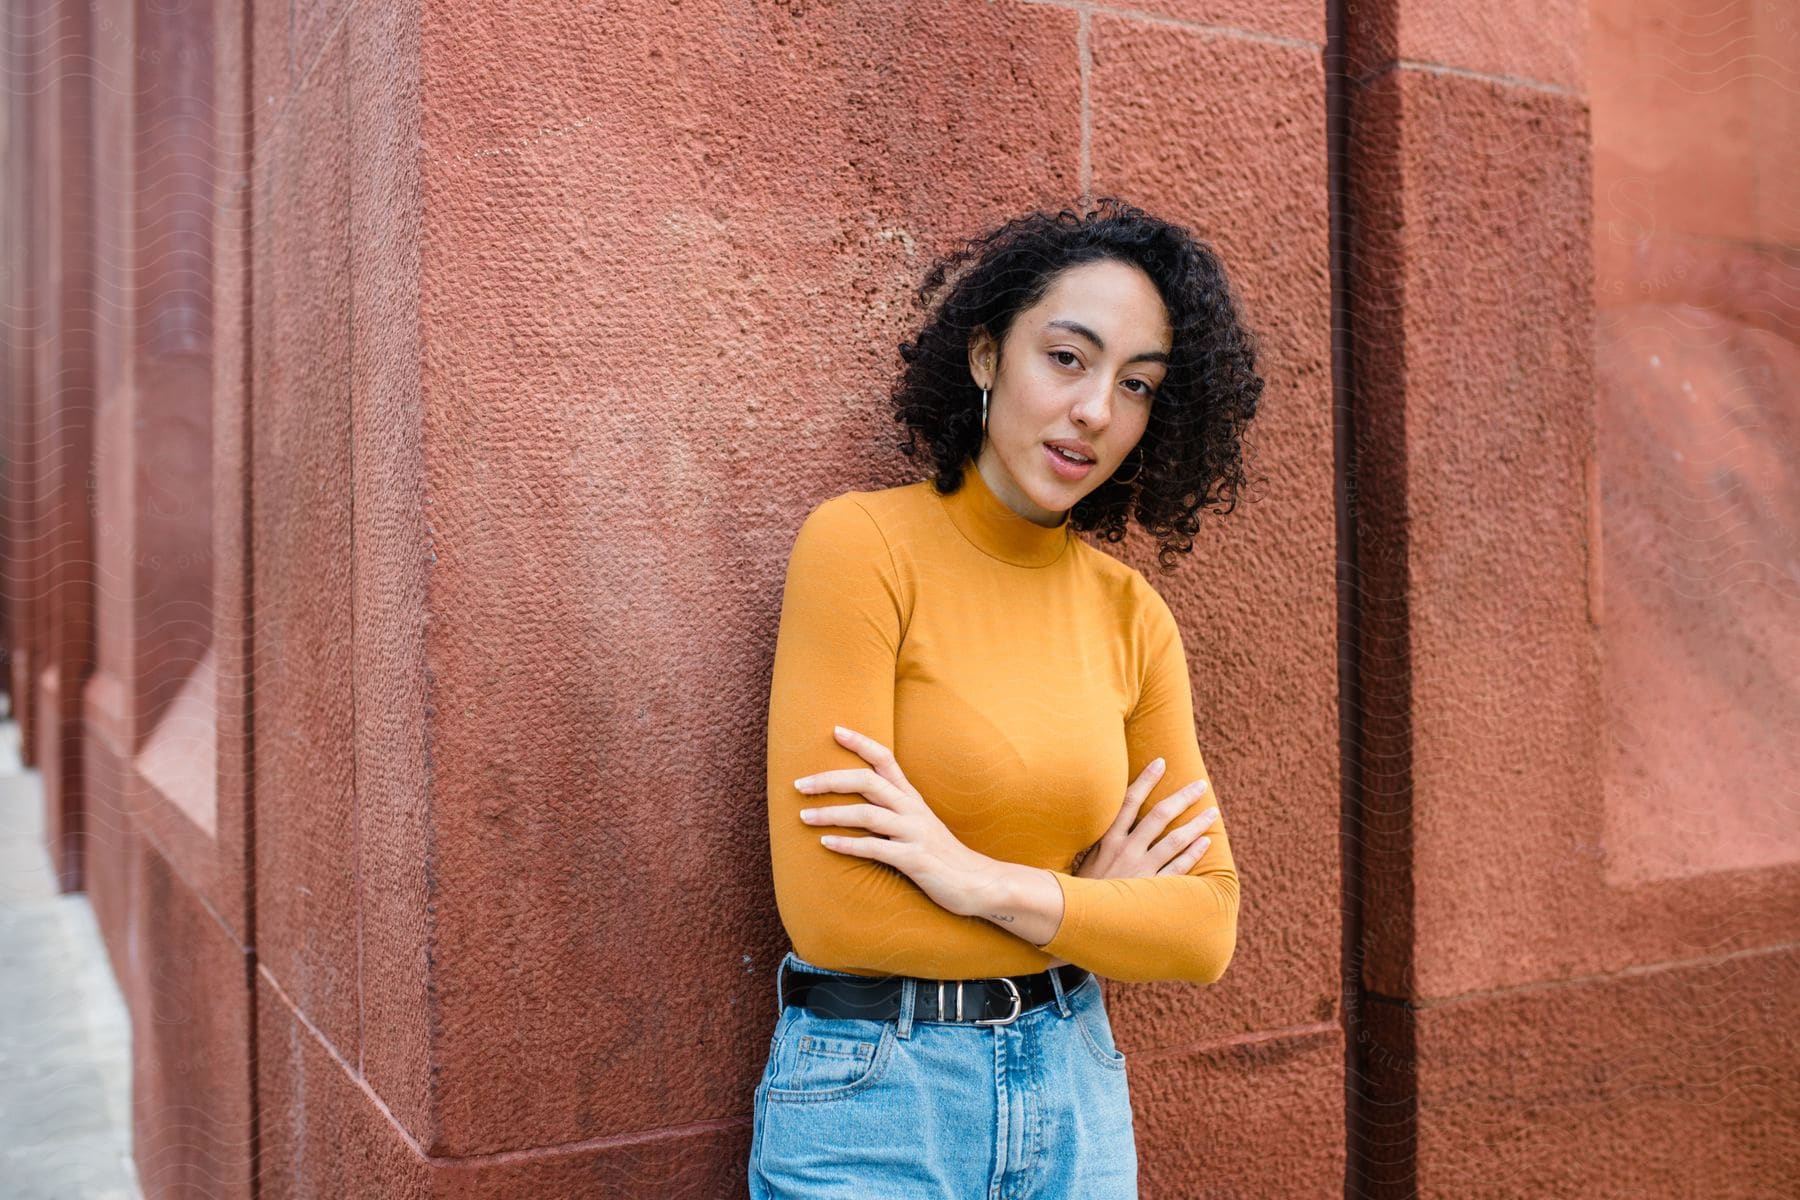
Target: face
x=1081, y=368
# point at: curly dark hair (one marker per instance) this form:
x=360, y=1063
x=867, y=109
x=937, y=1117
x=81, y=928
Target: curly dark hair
x=1191, y=455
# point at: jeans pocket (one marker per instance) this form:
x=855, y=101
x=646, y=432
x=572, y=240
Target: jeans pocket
x=1095, y=1026
x=825, y=1058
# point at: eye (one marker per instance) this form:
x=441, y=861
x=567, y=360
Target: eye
x=1148, y=392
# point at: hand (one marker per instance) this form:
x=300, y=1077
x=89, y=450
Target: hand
x=910, y=837
x=1124, y=852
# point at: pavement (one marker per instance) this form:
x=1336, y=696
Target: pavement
x=65, y=1034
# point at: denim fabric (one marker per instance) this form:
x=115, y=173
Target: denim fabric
x=903, y=1109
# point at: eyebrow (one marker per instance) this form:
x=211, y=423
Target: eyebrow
x=1080, y=330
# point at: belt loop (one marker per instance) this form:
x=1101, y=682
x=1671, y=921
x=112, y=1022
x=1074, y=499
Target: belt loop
x=780, y=998
x=1056, y=983
x=909, y=988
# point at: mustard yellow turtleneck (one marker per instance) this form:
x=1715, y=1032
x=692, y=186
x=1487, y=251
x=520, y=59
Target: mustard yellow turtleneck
x=1022, y=679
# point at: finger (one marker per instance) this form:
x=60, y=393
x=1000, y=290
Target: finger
x=1182, y=863
x=1179, y=838
x=1135, y=793
x=847, y=779
x=858, y=816
x=1166, y=810
x=856, y=781
x=1188, y=832
x=1146, y=780
x=879, y=757
x=878, y=848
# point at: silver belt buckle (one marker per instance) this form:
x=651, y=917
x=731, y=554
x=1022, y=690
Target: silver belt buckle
x=1018, y=1004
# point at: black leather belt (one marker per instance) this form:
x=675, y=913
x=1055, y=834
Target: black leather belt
x=995, y=1000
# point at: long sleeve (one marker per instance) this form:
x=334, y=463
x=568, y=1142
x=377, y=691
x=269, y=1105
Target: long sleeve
x=1159, y=927
x=843, y=615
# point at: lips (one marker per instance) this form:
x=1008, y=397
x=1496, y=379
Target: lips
x=1074, y=446
x=1065, y=468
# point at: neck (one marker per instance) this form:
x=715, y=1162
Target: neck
x=1001, y=483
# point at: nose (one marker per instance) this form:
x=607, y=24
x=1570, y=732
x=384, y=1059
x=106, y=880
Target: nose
x=1094, y=409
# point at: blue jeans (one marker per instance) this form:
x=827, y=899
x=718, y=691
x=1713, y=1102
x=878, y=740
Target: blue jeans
x=903, y=1109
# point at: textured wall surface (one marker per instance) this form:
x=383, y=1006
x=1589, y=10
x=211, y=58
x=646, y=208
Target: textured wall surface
x=522, y=533
x=1578, y=850
x=1239, y=1086
x=164, y=709
x=1697, y=256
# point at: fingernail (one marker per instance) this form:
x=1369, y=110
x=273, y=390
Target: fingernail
x=839, y=730
x=806, y=814
x=803, y=783
x=1156, y=764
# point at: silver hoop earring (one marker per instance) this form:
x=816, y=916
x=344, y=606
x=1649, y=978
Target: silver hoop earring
x=984, y=393
x=1134, y=474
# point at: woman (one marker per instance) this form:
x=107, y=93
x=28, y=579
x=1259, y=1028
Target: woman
x=942, y=1029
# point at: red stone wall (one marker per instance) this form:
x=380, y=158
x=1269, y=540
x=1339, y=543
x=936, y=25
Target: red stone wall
x=1696, y=841
x=1578, y=852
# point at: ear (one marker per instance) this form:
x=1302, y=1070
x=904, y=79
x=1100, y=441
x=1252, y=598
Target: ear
x=981, y=357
